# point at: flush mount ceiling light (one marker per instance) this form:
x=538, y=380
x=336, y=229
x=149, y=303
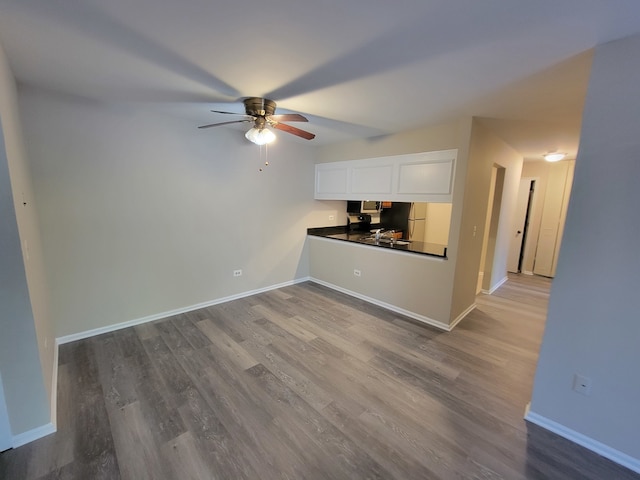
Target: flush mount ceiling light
x=554, y=156
x=260, y=136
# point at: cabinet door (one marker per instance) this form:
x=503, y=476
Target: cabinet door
x=425, y=178
x=332, y=181
x=374, y=180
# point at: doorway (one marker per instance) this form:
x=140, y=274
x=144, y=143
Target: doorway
x=485, y=280
x=520, y=227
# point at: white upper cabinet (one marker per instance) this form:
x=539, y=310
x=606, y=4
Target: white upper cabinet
x=416, y=177
x=331, y=180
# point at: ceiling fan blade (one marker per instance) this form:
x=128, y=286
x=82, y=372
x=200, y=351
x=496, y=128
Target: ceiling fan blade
x=223, y=123
x=231, y=113
x=288, y=117
x=295, y=131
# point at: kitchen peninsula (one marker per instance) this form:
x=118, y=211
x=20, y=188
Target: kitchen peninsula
x=411, y=283
x=413, y=275
x=343, y=233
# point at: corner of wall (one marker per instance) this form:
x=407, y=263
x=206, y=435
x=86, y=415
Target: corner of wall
x=28, y=353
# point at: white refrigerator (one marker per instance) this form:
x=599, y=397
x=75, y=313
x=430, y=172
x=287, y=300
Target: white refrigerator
x=417, y=221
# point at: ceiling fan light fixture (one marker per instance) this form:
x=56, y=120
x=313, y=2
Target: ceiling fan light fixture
x=260, y=136
x=554, y=156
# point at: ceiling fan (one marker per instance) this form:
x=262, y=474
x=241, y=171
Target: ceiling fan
x=262, y=113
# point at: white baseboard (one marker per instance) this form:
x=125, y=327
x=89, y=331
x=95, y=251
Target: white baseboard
x=461, y=316
x=587, y=442
x=496, y=286
x=159, y=316
x=33, y=434
x=388, y=306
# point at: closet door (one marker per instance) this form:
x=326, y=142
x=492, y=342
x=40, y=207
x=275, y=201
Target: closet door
x=553, y=216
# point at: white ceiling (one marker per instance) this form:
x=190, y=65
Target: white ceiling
x=356, y=68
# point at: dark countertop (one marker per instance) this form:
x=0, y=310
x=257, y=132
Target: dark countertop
x=364, y=238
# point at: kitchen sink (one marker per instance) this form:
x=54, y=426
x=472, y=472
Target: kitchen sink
x=384, y=240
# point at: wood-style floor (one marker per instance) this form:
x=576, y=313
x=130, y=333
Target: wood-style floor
x=307, y=383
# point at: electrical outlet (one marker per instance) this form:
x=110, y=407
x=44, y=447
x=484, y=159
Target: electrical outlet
x=237, y=273
x=357, y=272
x=582, y=384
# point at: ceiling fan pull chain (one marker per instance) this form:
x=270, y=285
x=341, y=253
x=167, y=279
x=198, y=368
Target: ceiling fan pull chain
x=264, y=148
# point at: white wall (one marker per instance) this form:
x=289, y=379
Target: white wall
x=592, y=326
x=26, y=338
x=143, y=213
x=435, y=137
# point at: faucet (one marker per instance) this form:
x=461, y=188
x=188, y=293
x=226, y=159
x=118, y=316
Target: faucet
x=380, y=234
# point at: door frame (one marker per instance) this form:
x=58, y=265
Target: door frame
x=527, y=220
x=521, y=220
x=494, y=210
